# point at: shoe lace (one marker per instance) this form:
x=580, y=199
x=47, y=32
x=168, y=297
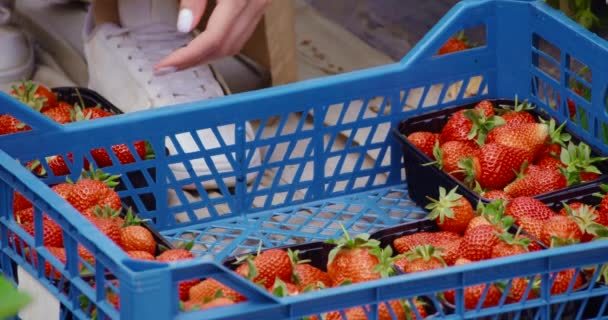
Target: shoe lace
x=145, y=46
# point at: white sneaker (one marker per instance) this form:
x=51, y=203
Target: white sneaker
x=121, y=60
x=17, y=62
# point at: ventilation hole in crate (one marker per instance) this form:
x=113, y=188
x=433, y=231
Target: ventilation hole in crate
x=432, y=95
x=464, y=40
x=333, y=112
x=546, y=57
x=377, y=106
x=413, y=98
x=544, y=92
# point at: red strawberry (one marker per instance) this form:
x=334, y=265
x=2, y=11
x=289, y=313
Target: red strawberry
x=535, y=183
x=496, y=195
x=95, y=190
x=549, y=162
x=448, y=155
x=457, y=128
x=10, y=124
x=208, y=289
x=95, y=113
x=384, y=313
x=493, y=165
x=438, y=239
x=447, y=241
x=562, y=280
x=217, y=302
x=104, y=220
x=527, y=206
x=49, y=270
x=477, y=244
x=518, y=114
x=518, y=289
x=589, y=220
x=473, y=294
x=510, y=245
x=36, y=96
x=173, y=255
x=51, y=232
x=528, y=136
x=487, y=107
x=465, y=125
x=354, y=260
x=532, y=225
x=62, y=113
x=283, y=289
x=560, y=230
x=20, y=202
x=141, y=255
x=421, y=258
x=64, y=190
x=57, y=165
x=579, y=163
x=269, y=265
x=24, y=216
x=122, y=153
x=454, y=44
x=452, y=211
x=305, y=275
x=424, y=140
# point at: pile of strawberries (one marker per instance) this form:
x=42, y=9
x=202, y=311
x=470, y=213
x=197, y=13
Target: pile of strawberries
x=503, y=153
x=94, y=197
x=282, y=273
x=466, y=235
x=43, y=100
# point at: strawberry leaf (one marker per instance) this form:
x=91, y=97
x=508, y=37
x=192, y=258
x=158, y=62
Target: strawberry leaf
x=11, y=300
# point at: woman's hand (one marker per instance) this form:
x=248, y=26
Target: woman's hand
x=230, y=25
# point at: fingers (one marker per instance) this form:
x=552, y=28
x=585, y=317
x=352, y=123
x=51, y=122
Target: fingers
x=231, y=23
x=208, y=42
x=190, y=14
x=241, y=32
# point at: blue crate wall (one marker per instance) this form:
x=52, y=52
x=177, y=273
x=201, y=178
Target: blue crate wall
x=506, y=63
x=346, y=98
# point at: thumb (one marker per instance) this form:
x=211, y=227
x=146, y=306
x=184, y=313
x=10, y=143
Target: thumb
x=190, y=14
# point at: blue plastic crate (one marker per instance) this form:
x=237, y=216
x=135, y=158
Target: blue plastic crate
x=530, y=50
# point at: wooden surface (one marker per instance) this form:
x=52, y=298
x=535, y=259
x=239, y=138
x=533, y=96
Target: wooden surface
x=273, y=43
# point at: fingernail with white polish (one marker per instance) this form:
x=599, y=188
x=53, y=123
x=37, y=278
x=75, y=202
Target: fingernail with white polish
x=165, y=70
x=184, y=20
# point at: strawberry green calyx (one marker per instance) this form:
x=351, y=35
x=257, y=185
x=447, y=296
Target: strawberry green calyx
x=467, y=166
x=521, y=173
x=149, y=151
x=132, y=220
x=279, y=288
x=346, y=242
x=494, y=212
x=442, y=208
x=585, y=216
x=110, y=180
x=438, y=155
x=577, y=160
x=294, y=258
x=515, y=240
x=517, y=107
x=27, y=94
x=385, y=261
x=411, y=312
x=106, y=212
x=426, y=253
x=77, y=114
x=482, y=125
x=556, y=134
